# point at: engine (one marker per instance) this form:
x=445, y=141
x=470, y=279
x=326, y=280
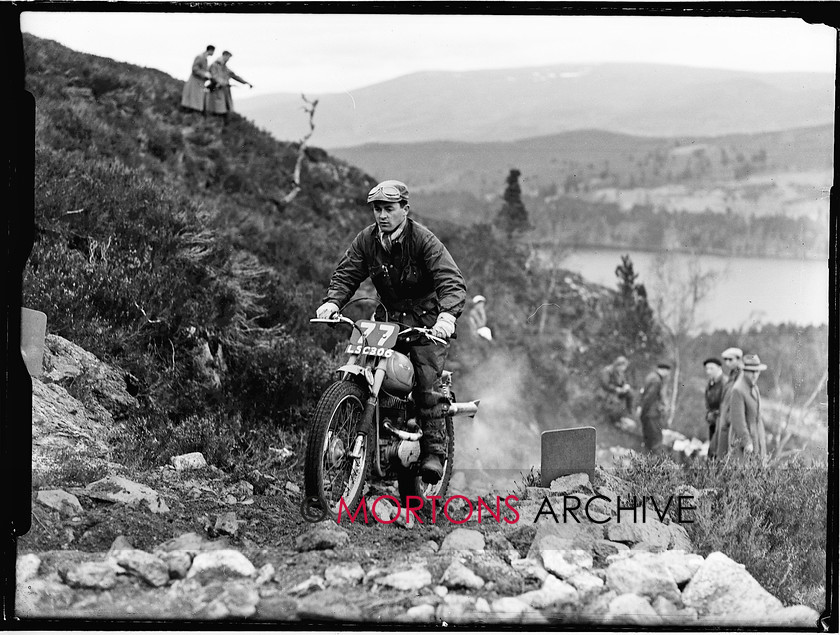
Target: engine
x=399, y=440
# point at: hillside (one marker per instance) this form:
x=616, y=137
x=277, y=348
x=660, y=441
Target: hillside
x=178, y=284
x=503, y=105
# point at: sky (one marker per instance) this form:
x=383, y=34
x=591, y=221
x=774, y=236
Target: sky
x=329, y=53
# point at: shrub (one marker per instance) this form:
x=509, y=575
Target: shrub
x=770, y=519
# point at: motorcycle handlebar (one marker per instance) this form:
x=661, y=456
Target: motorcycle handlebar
x=412, y=329
x=424, y=331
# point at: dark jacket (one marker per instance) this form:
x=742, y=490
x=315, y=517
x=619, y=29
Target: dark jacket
x=416, y=281
x=653, y=400
x=714, y=395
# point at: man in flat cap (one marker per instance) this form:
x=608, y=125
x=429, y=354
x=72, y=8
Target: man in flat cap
x=714, y=394
x=654, y=409
x=419, y=284
x=732, y=365
x=747, y=432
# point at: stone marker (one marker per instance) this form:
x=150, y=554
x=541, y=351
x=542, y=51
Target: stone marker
x=566, y=452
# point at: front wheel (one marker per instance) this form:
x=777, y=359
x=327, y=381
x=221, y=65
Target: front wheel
x=331, y=474
x=411, y=484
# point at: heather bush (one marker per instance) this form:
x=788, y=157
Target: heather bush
x=772, y=519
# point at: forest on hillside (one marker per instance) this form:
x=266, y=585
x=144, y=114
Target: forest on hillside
x=168, y=244
x=576, y=222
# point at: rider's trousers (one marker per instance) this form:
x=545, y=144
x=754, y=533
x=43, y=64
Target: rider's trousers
x=428, y=360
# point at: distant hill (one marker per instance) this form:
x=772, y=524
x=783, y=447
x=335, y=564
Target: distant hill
x=596, y=160
x=503, y=105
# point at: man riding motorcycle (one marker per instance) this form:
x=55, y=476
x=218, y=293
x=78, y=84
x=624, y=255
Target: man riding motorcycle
x=419, y=284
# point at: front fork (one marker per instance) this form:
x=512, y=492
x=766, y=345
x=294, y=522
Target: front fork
x=370, y=417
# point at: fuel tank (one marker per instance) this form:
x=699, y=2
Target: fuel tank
x=399, y=374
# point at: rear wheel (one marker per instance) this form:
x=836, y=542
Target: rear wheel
x=330, y=473
x=411, y=484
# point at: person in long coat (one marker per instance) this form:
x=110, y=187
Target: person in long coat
x=714, y=397
x=733, y=362
x=654, y=409
x=193, y=96
x=747, y=432
x=220, y=100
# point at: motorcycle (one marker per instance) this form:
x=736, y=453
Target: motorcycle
x=365, y=424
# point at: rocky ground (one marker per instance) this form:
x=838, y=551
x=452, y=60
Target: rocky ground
x=187, y=541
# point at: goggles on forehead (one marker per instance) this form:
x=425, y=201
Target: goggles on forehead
x=385, y=192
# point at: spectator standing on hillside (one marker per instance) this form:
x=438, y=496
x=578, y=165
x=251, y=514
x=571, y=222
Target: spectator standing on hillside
x=192, y=98
x=747, y=431
x=714, y=394
x=654, y=408
x=616, y=393
x=478, y=318
x=732, y=363
x=418, y=284
x=220, y=100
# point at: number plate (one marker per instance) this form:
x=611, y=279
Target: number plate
x=373, y=338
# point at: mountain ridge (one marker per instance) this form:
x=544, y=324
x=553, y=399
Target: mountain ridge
x=513, y=104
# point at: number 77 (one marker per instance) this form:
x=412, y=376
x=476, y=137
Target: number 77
x=388, y=330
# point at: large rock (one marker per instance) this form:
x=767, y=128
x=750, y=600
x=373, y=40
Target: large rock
x=228, y=524
x=144, y=565
x=573, y=535
x=329, y=605
x=62, y=426
x=92, y=575
x=192, y=543
x=649, y=531
x=422, y=613
x=322, y=536
x=463, y=539
x=587, y=584
x=27, y=567
x=410, y=580
x=457, y=575
x=725, y=593
x=236, y=599
x=178, y=563
x=630, y=608
x=799, y=616
x=682, y=565
x=222, y=563
x=343, y=574
x=66, y=363
x=565, y=563
x=553, y=592
x=40, y=597
x=571, y=483
x=672, y=614
x=513, y=610
x=643, y=575
x=190, y=461
x=63, y=502
x=117, y=489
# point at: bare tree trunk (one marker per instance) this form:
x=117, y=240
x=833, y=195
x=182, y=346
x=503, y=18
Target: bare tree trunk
x=675, y=388
x=309, y=108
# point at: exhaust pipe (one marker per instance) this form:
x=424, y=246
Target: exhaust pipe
x=463, y=408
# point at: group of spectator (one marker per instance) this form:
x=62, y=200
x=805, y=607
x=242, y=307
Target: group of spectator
x=208, y=88
x=733, y=403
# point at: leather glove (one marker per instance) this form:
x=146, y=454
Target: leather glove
x=327, y=310
x=444, y=327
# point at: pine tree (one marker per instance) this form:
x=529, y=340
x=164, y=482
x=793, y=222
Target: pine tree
x=513, y=217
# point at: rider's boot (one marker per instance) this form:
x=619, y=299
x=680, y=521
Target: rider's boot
x=432, y=443
x=431, y=469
